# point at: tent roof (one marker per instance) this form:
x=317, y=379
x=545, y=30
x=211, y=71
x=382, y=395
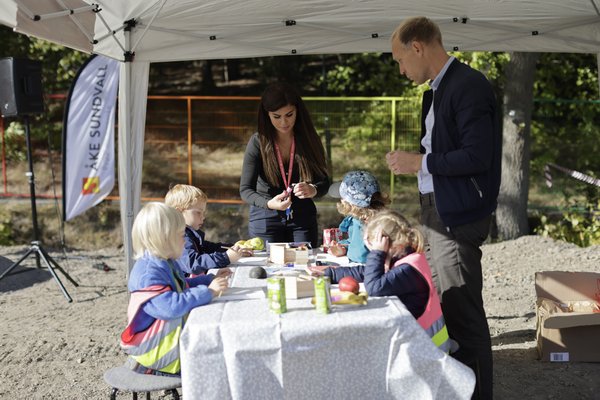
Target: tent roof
x=171, y=30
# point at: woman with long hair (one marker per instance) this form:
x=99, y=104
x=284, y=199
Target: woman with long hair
x=284, y=169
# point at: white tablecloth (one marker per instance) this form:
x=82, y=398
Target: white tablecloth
x=241, y=350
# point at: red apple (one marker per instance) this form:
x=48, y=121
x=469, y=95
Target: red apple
x=348, y=284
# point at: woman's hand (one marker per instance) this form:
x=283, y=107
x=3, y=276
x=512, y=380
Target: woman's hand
x=304, y=190
x=280, y=202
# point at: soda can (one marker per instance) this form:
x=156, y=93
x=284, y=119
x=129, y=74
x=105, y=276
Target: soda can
x=276, y=294
x=329, y=235
x=322, y=294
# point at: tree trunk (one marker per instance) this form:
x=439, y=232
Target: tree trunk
x=208, y=81
x=511, y=215
x=233, y=69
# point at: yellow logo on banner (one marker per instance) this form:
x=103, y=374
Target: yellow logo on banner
x=91, y=185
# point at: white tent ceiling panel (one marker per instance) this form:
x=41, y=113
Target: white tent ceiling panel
x=171, y=30
x=8, y=13
x=74, y=30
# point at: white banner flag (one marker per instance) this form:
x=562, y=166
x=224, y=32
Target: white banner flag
x=89, y=136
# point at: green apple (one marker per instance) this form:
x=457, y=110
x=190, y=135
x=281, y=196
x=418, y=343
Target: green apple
x=256, y=243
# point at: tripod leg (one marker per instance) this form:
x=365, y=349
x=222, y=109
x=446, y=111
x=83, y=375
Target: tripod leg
x=58, y=267
x=51, y=270
x=37, y=260
x=31, y=179
x=31, y=250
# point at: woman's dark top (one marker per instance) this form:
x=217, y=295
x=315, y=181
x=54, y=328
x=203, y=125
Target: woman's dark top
x=256, y=190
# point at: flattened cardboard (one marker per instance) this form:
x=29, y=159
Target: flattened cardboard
x=568, y=324
x=570, y=286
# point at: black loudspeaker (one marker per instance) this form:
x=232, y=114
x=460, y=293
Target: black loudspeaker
x=20, y=87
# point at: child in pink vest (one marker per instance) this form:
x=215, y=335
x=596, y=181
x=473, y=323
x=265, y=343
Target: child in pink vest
x=396, y=266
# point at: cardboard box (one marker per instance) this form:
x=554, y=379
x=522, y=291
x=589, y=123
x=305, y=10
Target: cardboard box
x=282, y=253
x=568, y=316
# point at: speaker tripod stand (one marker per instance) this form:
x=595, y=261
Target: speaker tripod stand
x=36, y=246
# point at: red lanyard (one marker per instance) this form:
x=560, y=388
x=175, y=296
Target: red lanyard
x=287, y=180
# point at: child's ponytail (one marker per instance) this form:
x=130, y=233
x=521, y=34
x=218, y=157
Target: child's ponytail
x=416, y=239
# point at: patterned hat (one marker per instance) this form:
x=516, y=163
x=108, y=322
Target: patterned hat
x=356, y=188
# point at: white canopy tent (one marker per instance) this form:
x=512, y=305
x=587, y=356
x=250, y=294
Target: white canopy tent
x=139, y=32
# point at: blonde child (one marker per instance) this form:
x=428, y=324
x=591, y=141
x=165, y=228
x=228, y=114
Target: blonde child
x=396, y=266
x=361, y=198
x=200, y=255
x=161, y=297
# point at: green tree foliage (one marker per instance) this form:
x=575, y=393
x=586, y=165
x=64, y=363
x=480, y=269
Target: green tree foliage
x=579, y=225
x=368, y=135
x=491, y=64
x=12, y=45
x=366, y=74
x=6, y=230
x=566, y=120
x=566, y=131
x=59, y=63
x=378, y=75
x=59, y=66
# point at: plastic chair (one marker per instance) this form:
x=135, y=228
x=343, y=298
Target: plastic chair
x=124, y=379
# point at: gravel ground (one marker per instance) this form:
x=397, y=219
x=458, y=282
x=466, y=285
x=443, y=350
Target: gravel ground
x=52, y=349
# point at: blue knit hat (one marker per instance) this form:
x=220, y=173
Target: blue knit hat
x=356, y=188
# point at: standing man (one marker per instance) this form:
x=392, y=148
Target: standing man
x=458, y=171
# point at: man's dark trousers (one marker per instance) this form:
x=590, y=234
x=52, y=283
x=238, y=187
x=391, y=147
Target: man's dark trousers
x=455, y=258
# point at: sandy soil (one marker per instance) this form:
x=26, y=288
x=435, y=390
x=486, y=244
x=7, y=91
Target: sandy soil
x=52, y=349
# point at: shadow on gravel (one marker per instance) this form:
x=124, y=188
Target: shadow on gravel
x=528, y=315
x=22, y=276
x=520, y=336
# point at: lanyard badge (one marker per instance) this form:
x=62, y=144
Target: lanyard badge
x=287, y=178
x=289, y=213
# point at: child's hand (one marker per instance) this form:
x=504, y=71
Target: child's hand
x=280, y=202
x=379, y=242
x=245, y=252
x=233, y=254
x=224, y=272
x=218, y=286
x=337, y=249
x=316, y=270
